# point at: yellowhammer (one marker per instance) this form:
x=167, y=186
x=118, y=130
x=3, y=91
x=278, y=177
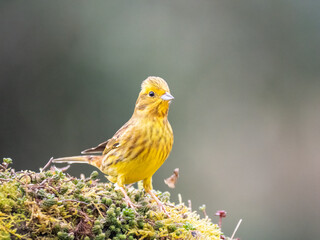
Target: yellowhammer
x=139, y=147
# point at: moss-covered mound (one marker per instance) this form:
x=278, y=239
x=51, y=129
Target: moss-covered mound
x=54, y=205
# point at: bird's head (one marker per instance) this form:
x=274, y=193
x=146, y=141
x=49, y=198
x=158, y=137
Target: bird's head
x=154, y=98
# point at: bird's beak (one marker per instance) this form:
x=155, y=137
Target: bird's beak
x=167, y=97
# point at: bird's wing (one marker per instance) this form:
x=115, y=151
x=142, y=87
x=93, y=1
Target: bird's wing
x=119, y=138
x=98, y=149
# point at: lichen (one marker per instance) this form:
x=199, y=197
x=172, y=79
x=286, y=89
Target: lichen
x=54, y=205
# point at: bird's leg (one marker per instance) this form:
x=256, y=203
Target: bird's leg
x=126, y=197
x=147, y=185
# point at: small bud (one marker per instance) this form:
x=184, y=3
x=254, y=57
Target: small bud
x=122, y=237
x=221, y=213
x=132, y=223
x=101, y=236
x=158, y=225
x=94, y=175
x=96, y=229
x=63, y=190
x=188, y=226
x=80, y=185
x=171, y=228
x=203, y=209
x=49, y=202
x=7, y=161
x=140, y=224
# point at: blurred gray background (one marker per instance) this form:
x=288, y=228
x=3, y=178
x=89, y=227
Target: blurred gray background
x=245, y=76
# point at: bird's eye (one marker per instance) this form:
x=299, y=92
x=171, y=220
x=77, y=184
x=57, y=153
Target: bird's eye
x=151, y=94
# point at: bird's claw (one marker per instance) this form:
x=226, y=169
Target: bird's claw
x=160, y=204
x=130, y=204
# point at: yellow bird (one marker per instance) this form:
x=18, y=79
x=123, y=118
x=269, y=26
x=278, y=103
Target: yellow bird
x=139, y=148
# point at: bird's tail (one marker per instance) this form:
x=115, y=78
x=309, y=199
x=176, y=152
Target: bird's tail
x=89, y=159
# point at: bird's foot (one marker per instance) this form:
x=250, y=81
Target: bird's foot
x=128, y=200
x=130, y=203
x=162, y=207
x=160, y=204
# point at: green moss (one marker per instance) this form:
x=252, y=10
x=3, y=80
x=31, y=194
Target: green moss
x=8, y=196
x=53, y=205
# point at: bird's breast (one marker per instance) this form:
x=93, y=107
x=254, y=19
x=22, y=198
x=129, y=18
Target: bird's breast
x=160, y=141
x=143, y=152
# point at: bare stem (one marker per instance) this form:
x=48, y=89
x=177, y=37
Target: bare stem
x=236, y=229
x=72, y=200
x=189, y=204
x=5, y=180
x=47, y=165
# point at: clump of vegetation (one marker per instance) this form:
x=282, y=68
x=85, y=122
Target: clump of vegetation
x=54, y=205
